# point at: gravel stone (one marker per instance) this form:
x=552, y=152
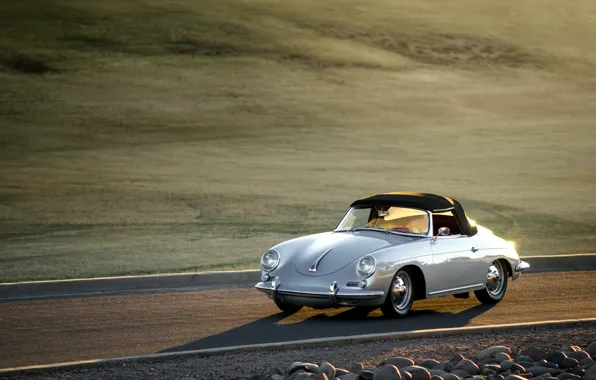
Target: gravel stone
x=568, y=376
x=556, y=356
x=277, y=376
x=365, y=374
x=569, y=363
x=328, y=369
x=438, y=372
x=535, y=353
x=502, y=356
x=578, y=355
x=386, y=372
x=507, y=364
x=569, y=349
x=400, y=362
x=405, y=375
x=537, y=370
x=495, y=367
x=514, y=377
x=451, y=376
x=341, y=371
x=434, y=377
x=590, y=373
x=307, y=367
x=461, y=373
x=348, y=376
x=468, y=366
x=525, y=364
x=421, y=374
x=587, y=361
x=456, y=358
x=429, y=363
x=550, y=365
x=591, y=349
x=492, y=351
x=524, y=358
x=413, y=368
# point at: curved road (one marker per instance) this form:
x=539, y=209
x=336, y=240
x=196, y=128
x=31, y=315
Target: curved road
x=66, y=329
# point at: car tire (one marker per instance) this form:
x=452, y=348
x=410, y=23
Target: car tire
x=287, y=308
x=400, y=295
x=495, y=289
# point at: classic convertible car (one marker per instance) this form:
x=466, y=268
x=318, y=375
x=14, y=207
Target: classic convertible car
x=388, y=251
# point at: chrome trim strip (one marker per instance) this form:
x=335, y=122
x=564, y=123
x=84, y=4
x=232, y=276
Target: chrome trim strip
x=444, y=209
x=455, y=289
x=355, y=294
x=313, y=267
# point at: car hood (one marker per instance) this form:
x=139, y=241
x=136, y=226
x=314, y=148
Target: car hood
x=335, y=250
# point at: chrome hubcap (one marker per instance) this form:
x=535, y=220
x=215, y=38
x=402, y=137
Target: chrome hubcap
x=401, y=290
x=494, y=282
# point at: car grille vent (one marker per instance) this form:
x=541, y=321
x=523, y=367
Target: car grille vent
x=353, y=284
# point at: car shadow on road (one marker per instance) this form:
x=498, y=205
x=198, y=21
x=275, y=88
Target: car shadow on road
x=347, y=322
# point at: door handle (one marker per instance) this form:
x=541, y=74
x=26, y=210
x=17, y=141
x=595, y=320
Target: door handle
x=474, y=249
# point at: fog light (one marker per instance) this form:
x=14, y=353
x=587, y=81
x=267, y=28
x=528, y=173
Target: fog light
x=265, y=277
x=362, y=283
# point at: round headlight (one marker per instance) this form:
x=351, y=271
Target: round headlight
x=270, y=260
x=367, y=266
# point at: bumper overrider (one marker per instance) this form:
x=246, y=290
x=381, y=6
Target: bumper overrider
x=334, y=296
x=522, y=266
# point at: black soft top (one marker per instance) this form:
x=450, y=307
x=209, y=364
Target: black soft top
x=423, y=201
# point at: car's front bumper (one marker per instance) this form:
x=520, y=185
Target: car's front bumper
x=519, y=268
x=334, y=296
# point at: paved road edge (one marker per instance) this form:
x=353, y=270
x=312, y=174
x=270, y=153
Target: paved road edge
x=196, y=280
x=355, y=339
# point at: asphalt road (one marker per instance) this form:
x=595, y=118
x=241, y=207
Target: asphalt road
x=66, y=329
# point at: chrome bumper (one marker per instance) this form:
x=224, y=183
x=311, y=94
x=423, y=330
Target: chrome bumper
x=317, y=297
x=522, y=267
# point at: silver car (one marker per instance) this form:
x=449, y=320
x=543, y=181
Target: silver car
x=388, y=251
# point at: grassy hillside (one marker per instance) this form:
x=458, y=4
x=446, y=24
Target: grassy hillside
x=150, y=136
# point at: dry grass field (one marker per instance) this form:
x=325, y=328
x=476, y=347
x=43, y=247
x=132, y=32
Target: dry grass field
x=154, y=136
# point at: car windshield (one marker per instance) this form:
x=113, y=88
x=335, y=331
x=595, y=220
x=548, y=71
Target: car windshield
x=386, y=218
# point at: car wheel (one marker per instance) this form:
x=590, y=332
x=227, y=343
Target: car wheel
x=287, y=308
x=496, y=284
x=400, y=296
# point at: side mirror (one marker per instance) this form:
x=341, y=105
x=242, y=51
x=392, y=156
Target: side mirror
x=443, y=231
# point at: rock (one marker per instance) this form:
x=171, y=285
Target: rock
x=577, y=371
x=489, y=360
x=498, y=377
x=578, y=355
x=549, y=365
x=525, y=364
x=435, y=377
x=487, y=372
x=421, y=374
x=348, y=376
x=568, y=376
x=387, y=372
x=568, y=363
x=451, y=376
x=461, y=374
x=399, y=362
x=354, y=368
x=571, y=349
x=514, y=377
x=587, y=361
x=277, y=376
x=293, y=375
x=535, y=353
x=468, y=366
x=438, y=372
x=492, y=351
x=524, y=358
x=307, y=367
x=518, y=367
x=328, y=369
x=405, y=375
x=413, y=368
x=456, y=358
x=537, y=370
x=341, y=371
x=429, y=363
x=540, y=362
x=441, y=366
x=556, y=356
x=591, y=349
x=507, y=364
x=365, y=374
x=495, y=367
x=502, y=356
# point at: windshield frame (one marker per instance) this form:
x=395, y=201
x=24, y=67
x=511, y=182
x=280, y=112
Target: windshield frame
x=429, y=233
